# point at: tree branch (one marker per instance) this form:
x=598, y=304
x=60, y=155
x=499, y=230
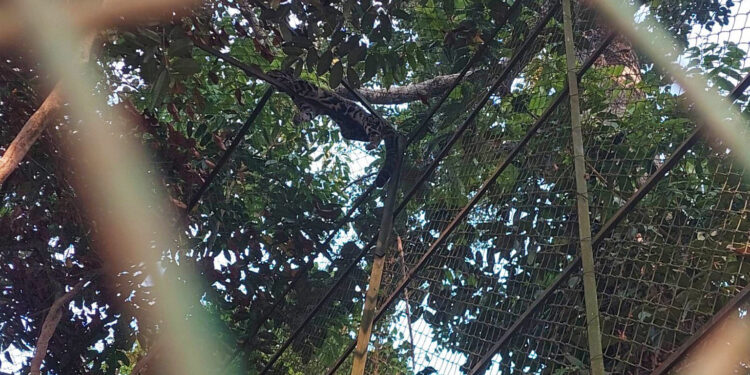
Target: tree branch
x=30, y=133
x=92, y=18
x=413, y=92
x=38, y=122
x=50, y=324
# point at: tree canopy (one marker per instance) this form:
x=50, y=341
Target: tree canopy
x=286, y=187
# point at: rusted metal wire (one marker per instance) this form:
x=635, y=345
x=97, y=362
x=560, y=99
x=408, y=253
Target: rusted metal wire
x=485, y=186
x=540, y=121
x=324, y=300
x=230, y=150
x=516, y=305
x=606, y=229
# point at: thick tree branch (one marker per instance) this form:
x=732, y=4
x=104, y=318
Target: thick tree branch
x=88, y=17
x=411, y=93
x=30, y=132
x=50, y=324
x=38, y=122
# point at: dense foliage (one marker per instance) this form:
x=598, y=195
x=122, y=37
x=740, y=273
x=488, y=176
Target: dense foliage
x=286, y=186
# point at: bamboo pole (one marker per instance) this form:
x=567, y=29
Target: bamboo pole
x=376, y=274
x=584, y=221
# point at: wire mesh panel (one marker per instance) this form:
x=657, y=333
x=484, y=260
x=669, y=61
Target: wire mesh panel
x=512, y=242
x=674, y=265
x=664, y=272
x=670, y=266
x=350, y=291
x=675, y=260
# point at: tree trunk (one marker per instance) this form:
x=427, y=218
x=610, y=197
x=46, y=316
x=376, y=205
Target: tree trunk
x=48, y=327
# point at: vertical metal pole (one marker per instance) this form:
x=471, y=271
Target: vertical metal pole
x=584, y=221
x=371, y=298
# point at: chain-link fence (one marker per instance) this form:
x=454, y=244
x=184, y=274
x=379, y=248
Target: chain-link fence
x=484, y=273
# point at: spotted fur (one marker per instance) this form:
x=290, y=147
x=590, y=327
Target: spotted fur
x=355, y=123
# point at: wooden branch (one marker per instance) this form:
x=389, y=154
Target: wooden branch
x=87, y=17
x=30, y=132
x=410, y=93
x=47, y=113
x=50, y=324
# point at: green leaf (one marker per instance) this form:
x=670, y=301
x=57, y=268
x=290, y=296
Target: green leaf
x=396, y=65
x=723, y=83
x=573, y=281
x=357, y=54
x=448, y=275
x=292, y=50
x=337, y=73
x=288, y=61
x=337, y=37
x=286, y=34
x=449, y=6
x=352, y=76
x=386, y=29
x=160, y=89
x=574, y=361
x=401, y=14
x=531, y=258
x=200, y=130
x=324, y=63
x=180, y=47
x=150, y=35
x=311, y=60
x=149, y=69
x=367, y=21
x=371, y=67
x=186, y=66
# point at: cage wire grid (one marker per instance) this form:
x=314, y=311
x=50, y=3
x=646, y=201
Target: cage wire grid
x=349, y=283
x=662, y=273
x=340, y=237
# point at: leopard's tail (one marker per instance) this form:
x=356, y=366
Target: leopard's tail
x=391, y=157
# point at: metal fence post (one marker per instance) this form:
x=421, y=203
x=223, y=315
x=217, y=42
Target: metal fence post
x=584, y=221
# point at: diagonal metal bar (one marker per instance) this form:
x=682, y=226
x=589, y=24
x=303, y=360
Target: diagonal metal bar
x=606, y=229
x=487, y=183
x=515, y=8
x=732, y=305
x=723, y=313
x=230, y=151
x=456, y=135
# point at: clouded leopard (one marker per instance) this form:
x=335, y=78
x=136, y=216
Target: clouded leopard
x=355, y=123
